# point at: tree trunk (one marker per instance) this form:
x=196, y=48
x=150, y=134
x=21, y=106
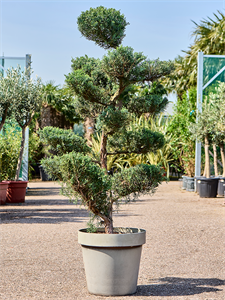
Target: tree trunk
x=109, y=223
x=3, y=118
x=215, y=160
x=45, y=116
x=204, y=171
x=19, y=164
x=89, y=126
x=51, y=117
x=207, y=162
x=222, y=157
x=109, y=227
x=103, y=151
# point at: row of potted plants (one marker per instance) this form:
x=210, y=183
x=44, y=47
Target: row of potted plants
x=210, y=129
x=205, y=187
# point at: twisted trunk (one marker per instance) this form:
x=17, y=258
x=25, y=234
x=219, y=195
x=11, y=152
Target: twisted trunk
x=108, y=221
x=103, y=151
x=109, y=226
x=3, y=118
x=89, y=125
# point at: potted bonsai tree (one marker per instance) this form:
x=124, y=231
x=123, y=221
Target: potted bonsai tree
x=106, y=92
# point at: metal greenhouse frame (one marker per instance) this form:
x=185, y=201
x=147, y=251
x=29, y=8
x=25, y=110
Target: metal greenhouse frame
x=204, y=81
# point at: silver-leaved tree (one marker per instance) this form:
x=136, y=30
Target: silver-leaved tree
x=107, y=91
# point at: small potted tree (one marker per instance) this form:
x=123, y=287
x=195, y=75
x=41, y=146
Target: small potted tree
x=9, y=153
x=217, y=100
x=26, y=94
x=203, y=131
x=105, y=90
x=7, y=92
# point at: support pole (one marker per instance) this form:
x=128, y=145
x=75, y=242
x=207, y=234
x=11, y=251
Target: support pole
x=199, y=109
x=24, y=175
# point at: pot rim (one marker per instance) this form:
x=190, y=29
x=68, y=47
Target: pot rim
x=134, y=237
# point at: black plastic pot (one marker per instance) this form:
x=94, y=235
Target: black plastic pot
x=190, y=184
x=208, y=187
x=221, y=186
x=197, y=181
x=44, y=176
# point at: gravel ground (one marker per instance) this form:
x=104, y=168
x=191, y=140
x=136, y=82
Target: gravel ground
x=183, y=257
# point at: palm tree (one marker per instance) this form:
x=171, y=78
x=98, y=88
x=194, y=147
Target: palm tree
x=209, y=37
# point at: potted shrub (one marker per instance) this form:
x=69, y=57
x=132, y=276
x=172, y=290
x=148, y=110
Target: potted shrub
x=106, y=91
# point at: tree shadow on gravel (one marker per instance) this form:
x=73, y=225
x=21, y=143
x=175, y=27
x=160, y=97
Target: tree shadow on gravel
x=30, y=212
x=46, y=216
x=175, y=286
x=43, y=191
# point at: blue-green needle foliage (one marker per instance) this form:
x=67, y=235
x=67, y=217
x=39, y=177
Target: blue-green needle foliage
x=112, y=119
x=106, y=27
x=62, y=141
x=136, y=141
x=83, y=178
x=142, y=178
x=142, y=99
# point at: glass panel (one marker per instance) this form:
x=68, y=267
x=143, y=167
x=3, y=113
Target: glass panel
x=12, y=63
x=211, y=66
x=2, y=65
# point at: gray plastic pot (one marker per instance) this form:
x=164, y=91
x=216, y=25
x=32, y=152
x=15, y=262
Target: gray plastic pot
x=221, y=186
x=184, y=182
x=111, y=261
x=190, y=184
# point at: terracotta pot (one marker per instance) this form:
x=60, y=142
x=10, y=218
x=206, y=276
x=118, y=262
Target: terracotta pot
x=3, y=191
x=111, y=261
x=16, y=191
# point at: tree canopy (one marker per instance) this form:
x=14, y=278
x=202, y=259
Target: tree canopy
x=111, y=89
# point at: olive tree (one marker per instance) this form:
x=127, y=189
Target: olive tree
x=7, y=94
x=27, y=100
x=217, y=100
x=210, y=125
